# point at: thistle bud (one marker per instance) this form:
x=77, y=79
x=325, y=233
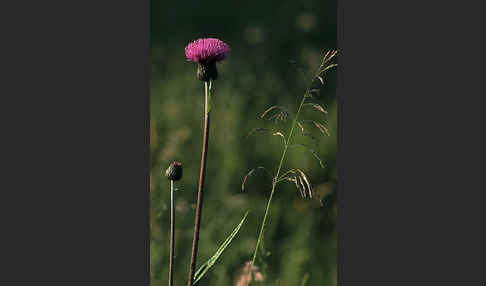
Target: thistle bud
x=207, y=71
x=174, y=172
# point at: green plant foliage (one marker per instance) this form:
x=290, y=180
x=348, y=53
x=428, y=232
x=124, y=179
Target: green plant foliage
x=264, y=36
x=206, y=266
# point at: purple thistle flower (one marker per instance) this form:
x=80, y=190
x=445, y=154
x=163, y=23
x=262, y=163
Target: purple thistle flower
x=206, y=52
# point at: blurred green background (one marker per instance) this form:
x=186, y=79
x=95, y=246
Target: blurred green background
x=301, y=234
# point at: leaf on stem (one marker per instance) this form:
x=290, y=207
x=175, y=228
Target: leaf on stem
x=206, y=266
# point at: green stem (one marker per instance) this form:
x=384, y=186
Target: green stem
x=276, y=179
x=274, y=183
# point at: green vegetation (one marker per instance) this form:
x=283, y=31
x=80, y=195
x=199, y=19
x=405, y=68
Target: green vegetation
x=300, y=236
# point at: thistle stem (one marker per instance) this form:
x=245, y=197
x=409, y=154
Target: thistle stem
x=202, y=174
x=172, y=233
x=275, y=180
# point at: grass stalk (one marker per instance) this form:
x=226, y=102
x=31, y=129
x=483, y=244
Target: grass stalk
x=275, y=179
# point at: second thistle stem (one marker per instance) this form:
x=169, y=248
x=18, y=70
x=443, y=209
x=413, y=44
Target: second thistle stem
x=202, y=174
x=172, y=233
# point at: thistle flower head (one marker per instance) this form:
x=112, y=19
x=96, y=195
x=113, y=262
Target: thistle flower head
x=206, y=52
x=174, y=172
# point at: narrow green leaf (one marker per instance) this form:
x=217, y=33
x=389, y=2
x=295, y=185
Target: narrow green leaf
x=206, y=266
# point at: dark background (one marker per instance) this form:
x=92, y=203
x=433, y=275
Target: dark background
x=75, y=152
x=263, y=36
